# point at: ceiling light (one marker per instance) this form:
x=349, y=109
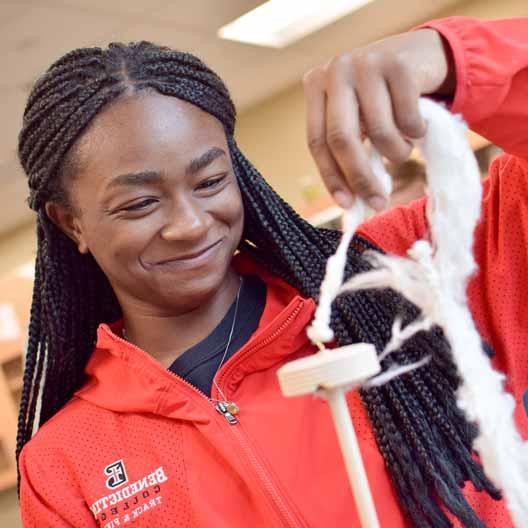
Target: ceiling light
x=277, y=23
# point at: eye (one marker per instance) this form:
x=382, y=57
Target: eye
x=212, y=183
x=139, y=206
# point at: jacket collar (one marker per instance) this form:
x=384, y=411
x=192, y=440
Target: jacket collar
x=123, y=378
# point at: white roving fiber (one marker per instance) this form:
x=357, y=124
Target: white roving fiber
x=434, y=277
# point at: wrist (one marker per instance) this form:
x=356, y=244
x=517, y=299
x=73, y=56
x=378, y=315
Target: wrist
x=448, y=88
x=437, y=77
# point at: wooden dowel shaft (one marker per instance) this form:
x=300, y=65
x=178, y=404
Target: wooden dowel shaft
x=352, y=456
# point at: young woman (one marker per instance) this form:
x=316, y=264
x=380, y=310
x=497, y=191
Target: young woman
x=155, y=350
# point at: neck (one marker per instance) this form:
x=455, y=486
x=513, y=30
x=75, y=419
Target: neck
x=166, y=337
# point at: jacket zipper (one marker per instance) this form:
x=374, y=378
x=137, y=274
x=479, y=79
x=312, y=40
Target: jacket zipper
x=222, y=408
x=228, y=367
x=275, y=497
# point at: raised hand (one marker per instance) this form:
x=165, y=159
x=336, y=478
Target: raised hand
x=372, y=92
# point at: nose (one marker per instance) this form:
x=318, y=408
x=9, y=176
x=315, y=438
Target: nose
x=185, y=222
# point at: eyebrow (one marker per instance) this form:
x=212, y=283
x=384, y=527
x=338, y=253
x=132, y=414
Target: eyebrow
x=197, y=164
x=135, y=179
x=146, y=177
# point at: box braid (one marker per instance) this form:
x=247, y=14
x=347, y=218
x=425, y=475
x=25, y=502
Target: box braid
x=422, y=435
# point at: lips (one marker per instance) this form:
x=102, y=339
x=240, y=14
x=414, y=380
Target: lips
x=187, y=257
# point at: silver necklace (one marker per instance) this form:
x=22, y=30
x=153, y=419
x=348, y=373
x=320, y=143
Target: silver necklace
x=226, y=408
x=228, y=340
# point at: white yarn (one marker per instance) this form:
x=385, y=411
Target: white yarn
x=434, y=277
x=319, y=331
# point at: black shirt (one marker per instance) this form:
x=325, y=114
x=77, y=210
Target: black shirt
x=198, y=364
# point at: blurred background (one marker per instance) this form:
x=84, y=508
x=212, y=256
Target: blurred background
x=265, y=81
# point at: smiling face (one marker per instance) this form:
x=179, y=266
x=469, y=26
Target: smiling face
x=156, y=202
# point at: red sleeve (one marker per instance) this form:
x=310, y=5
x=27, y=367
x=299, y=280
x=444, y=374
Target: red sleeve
x=396, y=230
x=491, y=62
x=49, y=499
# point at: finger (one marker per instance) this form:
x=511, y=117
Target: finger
x=405, y=94
x=315, y=104
x=377, y=109
x=343, y=136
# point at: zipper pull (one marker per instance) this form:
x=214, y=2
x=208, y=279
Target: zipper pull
x=228, y=410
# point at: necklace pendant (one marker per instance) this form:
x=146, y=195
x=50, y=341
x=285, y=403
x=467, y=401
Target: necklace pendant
x=232, y=408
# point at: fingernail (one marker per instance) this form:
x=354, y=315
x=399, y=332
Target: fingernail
x=343, y=199
x=377, y=202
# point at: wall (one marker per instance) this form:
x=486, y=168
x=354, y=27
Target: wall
x=9, y=517
x=17, y=248
x=272, y=137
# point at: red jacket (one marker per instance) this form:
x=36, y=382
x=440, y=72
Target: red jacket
x=138, y=445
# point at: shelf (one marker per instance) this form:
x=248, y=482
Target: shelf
x=16, y=291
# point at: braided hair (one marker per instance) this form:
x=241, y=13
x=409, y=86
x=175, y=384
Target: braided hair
x=423, y=437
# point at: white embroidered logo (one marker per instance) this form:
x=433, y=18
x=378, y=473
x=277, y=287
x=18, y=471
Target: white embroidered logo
x=116, y=474
x=126, y=504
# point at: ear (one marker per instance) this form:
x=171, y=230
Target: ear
x=68, y=223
